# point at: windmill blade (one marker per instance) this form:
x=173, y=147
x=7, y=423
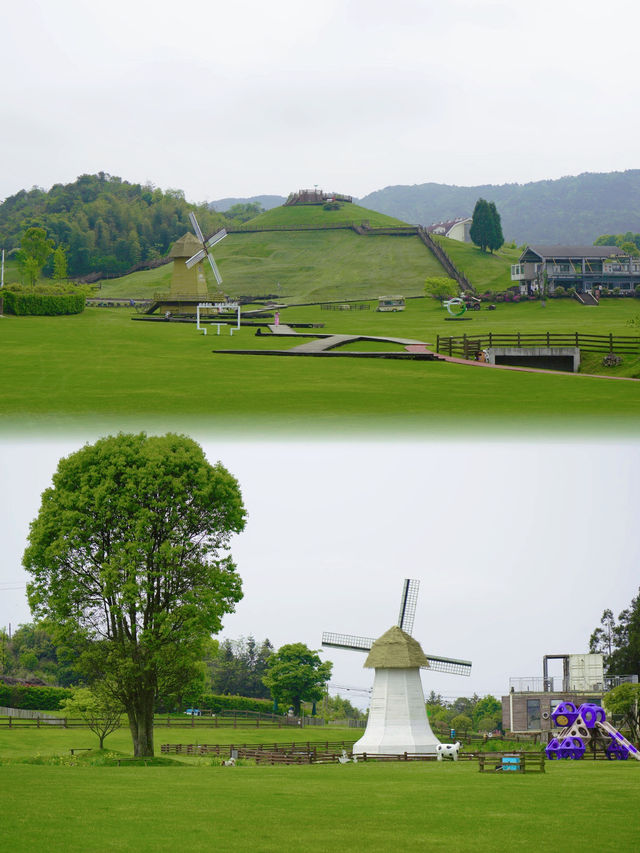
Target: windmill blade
x=451, y=665
x=219, y=235
x=195, y=259
x=196, y=227
x=347, y=641
x=215, y=269
x=408, y=603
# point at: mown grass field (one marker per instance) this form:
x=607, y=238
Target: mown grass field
x=370, y=807
x=100, y=366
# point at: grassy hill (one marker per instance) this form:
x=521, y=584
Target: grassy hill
x=485, y=271
x=315, y=214
x=305, y=266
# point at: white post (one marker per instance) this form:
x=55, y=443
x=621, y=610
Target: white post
x=198, y=317
x=2, y=271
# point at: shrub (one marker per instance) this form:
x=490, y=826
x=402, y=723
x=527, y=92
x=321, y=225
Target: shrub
x=616, y=291
x=33, y=698
x=43, y=304
x=636, y=292
x=559, y=292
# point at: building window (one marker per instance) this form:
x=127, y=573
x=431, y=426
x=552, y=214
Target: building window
x=533, y=715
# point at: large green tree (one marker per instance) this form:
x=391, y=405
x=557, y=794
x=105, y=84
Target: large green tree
x=129, y=558
x=295, y=674
x=619, y=640
x=486, y=226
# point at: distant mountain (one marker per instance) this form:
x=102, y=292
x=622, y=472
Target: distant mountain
x=267, y=202
x=568, y=210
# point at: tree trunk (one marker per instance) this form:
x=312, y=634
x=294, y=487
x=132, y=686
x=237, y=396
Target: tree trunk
x=141, y=726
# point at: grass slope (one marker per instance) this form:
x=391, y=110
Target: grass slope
x=303, y=266
x=315, y=214
x=100, y=368
x=484, y=270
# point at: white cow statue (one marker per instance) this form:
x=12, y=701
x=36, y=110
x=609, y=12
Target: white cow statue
x=448, y=750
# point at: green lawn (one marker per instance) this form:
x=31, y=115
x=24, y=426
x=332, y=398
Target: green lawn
x=100, y=367
x=365, y=807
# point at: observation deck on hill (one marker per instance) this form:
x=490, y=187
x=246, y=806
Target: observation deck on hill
x=316, y=197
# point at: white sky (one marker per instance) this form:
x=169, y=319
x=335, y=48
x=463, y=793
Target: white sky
x=243, y=98
x=519, y=547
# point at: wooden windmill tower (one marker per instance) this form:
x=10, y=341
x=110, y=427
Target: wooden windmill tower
x=188, y=279
x=398, y=719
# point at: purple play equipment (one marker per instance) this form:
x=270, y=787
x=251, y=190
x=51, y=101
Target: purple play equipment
x=582, y=724
x=564, y=715
x=592, y=714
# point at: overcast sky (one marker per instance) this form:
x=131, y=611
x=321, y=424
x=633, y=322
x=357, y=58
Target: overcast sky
x=519, y=547
x=244, y=98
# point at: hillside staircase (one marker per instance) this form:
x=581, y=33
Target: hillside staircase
x=445, y=260
x=586, y=298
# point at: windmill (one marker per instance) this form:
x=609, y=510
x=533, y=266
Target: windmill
x=204, y=252
x=398, y=719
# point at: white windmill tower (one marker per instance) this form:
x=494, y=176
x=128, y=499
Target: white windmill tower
x=206, y=245
x=398, y=719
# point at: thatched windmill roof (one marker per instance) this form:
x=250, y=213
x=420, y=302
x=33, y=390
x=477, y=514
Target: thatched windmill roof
x=185, y=247
x=396, y=650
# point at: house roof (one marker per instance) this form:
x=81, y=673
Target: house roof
x=444, y=227
x=396, y=650
x=561, y=251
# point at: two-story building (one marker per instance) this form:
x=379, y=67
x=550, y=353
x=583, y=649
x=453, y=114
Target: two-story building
x=587, y=269
x=532, y=700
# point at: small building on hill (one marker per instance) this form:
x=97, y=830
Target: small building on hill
x=454, y=229
x=586, y=269
x=316, y=196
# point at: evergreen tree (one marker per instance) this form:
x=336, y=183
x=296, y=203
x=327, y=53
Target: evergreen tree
x=481, y=225
x=496, y=237
x=486, y=226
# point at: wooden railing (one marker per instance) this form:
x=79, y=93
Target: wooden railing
x=466, y=346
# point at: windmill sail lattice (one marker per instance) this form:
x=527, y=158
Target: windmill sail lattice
x=408, y=604
x=206, y=245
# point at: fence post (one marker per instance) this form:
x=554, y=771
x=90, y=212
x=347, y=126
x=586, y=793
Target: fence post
x=464, y=346
x=610, y=341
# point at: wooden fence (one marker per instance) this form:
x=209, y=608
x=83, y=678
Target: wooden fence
x=221, y=720
x=248, y=750
x=466, y=346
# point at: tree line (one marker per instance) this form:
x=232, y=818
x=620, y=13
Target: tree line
x=100, y=224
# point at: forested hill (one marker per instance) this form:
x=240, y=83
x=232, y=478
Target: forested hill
x=105, y=224
x=568, y=210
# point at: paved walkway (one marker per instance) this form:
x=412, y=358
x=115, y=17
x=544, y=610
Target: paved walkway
x=323, y=344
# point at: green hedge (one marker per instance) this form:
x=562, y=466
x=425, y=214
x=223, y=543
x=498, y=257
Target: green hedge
x=32, y=698
x=235, y=703
x=49, y=304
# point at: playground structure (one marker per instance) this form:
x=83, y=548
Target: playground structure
x=584, y=726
